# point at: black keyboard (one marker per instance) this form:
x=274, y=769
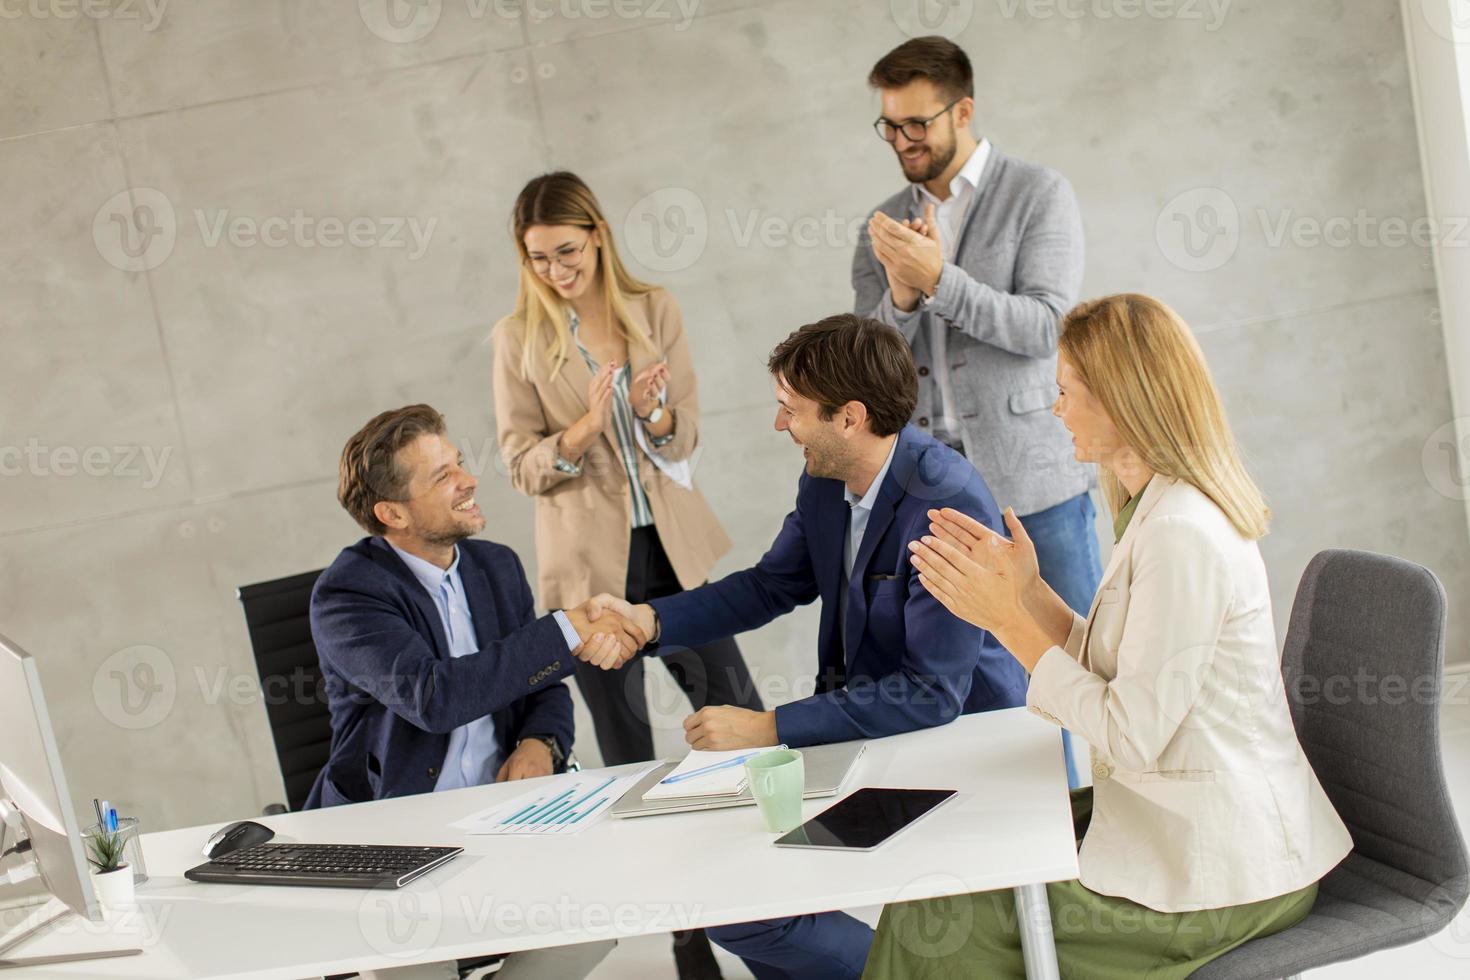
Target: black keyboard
x=323, y=865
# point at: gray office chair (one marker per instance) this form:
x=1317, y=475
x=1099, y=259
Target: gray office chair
x=1375, y=747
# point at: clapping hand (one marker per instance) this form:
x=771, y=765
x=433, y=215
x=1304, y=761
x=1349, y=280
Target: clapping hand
x=600, y=398
x=581, y=434
x=910, y=253
x=975, y=573
x=647, y=388
x=1016, y=555
x=992, y=582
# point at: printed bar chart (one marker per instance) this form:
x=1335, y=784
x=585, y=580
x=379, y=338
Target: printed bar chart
x=562, y=805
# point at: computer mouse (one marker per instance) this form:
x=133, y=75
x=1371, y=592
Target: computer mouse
x=232, y=837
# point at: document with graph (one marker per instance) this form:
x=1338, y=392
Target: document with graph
x=562, y=805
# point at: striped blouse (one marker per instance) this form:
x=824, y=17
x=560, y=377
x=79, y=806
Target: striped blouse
x=623, y=421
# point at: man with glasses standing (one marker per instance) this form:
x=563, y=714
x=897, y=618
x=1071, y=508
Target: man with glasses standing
x=975, y=262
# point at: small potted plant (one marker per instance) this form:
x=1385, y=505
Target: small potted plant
x=113, y=878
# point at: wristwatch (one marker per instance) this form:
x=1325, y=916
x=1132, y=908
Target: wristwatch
x=557, y=755
x=653, y=416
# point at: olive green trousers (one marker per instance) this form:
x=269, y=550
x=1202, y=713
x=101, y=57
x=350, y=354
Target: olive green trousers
x=1098, y=937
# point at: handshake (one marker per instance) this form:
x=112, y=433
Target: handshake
x=612, y=630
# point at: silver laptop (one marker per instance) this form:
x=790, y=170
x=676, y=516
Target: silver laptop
x=828, y=768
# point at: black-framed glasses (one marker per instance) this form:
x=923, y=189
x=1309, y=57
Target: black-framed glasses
x=568, y=257
x=914, y=130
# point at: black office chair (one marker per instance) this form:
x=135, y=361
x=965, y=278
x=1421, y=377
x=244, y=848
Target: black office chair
x=1378, y=757
x=276, y=615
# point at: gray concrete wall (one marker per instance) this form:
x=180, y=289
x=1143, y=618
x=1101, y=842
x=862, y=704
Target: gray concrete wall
x=174, y=402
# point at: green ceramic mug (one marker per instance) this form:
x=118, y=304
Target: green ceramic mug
x=778, y=782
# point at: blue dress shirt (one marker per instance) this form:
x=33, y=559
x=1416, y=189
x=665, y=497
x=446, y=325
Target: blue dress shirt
x=474, y=756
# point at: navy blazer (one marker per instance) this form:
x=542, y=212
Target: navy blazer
x=394, y=691
x=908, y=663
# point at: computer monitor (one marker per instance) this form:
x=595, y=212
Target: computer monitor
x=31, y=781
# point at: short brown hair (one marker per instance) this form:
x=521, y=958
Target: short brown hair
x=847, y=358
x=369, y=470
x=936, y=58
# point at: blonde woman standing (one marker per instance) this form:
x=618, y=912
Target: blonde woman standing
x=1203, y=800
x=597, y=412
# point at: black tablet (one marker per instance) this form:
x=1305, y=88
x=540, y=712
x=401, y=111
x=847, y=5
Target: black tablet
x=865, y=819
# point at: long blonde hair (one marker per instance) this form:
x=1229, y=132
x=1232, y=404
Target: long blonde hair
x=1143, y=365
x=562, y=198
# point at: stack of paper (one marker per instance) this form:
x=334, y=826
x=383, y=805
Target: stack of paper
x=706, y=774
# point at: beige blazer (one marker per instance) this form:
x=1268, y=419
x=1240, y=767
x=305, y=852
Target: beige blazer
x=583, y=523
x=1203, y=797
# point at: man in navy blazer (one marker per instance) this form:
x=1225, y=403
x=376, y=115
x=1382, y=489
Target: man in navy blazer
x=898, y=660
x=438, y=672
x=890, y=657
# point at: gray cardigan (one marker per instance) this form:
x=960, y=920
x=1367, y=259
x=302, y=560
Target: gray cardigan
x=1016, y=271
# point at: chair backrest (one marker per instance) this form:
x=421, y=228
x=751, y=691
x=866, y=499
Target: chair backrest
x=277, y=617
x=1363, y=666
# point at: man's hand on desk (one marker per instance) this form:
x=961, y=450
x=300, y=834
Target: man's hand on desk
x=722, y=727
x=530, y=759
x=608, y=639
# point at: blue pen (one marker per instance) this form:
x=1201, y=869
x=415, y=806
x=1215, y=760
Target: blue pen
x=728, y=763
x=111, y=821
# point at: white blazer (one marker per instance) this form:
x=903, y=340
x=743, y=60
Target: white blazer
x=1202, y=795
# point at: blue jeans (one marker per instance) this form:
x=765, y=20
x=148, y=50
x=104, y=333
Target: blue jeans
x=1067, y=554
x=825, y=946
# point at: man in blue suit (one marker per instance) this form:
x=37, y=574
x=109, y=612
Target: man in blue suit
x=891, y=659
x=439, y=675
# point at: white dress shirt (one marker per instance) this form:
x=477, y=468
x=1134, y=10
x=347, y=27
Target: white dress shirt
x=950, y=214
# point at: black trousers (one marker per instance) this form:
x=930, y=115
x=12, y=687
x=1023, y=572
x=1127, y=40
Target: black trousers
x=712, y=674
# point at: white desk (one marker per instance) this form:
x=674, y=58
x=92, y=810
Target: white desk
x=1010, y=827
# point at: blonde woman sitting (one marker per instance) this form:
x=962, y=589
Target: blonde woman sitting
x=1205, y=826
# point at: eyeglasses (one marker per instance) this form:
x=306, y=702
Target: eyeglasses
x=914, y=130
x=568, y=257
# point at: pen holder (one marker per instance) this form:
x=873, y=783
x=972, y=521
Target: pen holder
x=127, y=828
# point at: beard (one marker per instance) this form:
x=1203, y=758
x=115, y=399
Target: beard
x=940, y=157
x=451, y=532
x=828, y=460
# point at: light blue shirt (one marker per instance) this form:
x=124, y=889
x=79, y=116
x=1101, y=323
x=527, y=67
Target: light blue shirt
x=859, y=510
x=473, y=757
